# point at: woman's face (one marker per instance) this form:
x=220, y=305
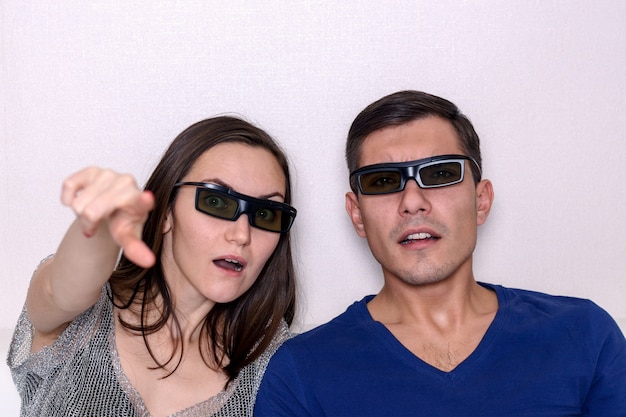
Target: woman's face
x=208, y=260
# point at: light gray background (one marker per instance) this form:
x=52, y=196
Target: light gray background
x=111, y=83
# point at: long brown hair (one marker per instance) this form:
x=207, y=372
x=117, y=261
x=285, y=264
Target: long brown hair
x=238, y=331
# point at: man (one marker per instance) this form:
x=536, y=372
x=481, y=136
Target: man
x=434, y=341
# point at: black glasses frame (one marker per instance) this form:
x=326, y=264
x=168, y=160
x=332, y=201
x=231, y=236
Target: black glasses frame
x=409, y=170
x=245, y=204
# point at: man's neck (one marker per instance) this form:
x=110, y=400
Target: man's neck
x=441, y=323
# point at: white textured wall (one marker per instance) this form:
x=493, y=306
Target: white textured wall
x=112, y=82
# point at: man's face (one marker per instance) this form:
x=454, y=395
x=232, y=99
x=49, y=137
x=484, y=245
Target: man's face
x=420, y=236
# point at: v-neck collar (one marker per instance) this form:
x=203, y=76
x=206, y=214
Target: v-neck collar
x=483, y=348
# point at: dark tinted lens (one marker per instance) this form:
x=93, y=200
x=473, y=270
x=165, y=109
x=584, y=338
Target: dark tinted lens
x=216, y=203
x=380, y=182
x=441, y=173
x=268, y=218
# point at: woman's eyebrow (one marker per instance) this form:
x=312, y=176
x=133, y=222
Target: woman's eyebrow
x=225, y=184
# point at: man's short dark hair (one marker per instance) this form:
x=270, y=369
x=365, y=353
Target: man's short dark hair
x=404, y=107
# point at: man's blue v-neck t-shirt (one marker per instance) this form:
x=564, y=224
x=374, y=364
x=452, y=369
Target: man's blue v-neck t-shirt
x=541, y=356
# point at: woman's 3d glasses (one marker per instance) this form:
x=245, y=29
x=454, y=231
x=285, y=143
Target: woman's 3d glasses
x=433, y=172
x=224, y=203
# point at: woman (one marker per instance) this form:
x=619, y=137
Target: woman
x=200, y=299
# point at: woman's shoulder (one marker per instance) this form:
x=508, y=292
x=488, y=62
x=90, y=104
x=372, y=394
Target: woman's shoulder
x=79, y=332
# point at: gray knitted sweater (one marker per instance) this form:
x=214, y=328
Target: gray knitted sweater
x=80, y=374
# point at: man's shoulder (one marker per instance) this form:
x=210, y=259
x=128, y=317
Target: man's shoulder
x=346, y=325
x=549, y=306
x=543, y=298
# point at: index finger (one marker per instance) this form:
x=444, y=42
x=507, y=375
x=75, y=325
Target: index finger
x=138, y=252
x=126, y=229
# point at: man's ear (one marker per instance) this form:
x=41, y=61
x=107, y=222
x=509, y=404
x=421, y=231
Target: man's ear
x=484, y=200
x=354, y=211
